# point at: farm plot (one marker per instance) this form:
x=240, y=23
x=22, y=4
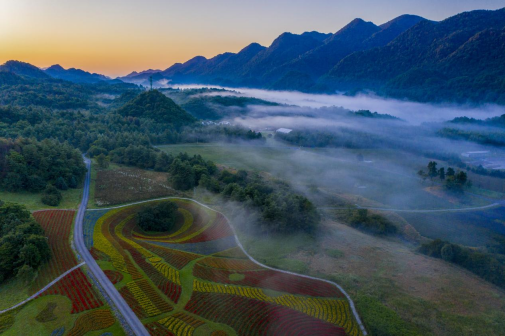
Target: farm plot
x=212, y=287
x=123, y=184
x=71, y=306
x=57, y=225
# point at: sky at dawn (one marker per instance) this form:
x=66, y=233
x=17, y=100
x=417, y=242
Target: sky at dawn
x=115, y=37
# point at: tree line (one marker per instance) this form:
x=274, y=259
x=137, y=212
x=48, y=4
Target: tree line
x=282, y=210
x=126, y=140
x=33, y=166
x=23, y=247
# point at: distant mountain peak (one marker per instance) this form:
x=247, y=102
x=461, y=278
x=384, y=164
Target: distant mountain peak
x=406, y=19
x=74, y=75
x=56, y=67
x=23, y=69
x=252, y=48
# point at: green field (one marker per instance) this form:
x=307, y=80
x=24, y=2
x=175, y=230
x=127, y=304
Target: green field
x=32, y=201
x=385, y=179
x=390, y=180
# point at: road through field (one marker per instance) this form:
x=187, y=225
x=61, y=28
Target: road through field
x=129, y=316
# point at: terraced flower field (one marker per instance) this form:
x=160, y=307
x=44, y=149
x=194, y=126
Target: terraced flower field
x=195, y=280
x=57, y=225
x=70, y=306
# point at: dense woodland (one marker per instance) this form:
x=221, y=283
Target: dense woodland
x=23, y=247
x=30, y=165
x=125, y=139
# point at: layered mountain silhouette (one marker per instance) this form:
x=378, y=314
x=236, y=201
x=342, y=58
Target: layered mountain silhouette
x=74, y=75
x=460, y=59
x=308, y=55
x=23, y=69
x=56, y=71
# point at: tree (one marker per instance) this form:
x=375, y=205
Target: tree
x=61, y=184
x=422, y=175
x=29, y=255
x=72, y=183
x=182, y=175
x=23, y=248
x=432, y=169
x=450, y=172
x=26, y=274
x=461, y=177
x=103, y=161
x=441, y=173
x=447, y=252
x=159, y=218
x=51, y=196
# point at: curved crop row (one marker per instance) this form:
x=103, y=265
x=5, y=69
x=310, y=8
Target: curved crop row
x=228, y=288
x=164, y=276
x=78, y=289
x=57, y=225
x=329, y=310
x=254, y=317
x=230, y=264
x=151, y=303
x=172, y=289
x=104, y=241
x=132, y=302
x=218, y=229
x=176, y=258
x=156, y=329
x=270, y=279
x=181, y=324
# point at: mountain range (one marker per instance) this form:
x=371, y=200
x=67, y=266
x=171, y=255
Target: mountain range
x=460, y=59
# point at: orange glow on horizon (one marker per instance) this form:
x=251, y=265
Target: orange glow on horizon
x=115, y=37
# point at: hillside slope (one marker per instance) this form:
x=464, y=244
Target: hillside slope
x=158, y=107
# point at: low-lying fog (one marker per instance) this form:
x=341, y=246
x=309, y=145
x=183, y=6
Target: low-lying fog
x=412, y=112
x=392, y=152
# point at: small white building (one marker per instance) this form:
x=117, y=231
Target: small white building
x=284, y=130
